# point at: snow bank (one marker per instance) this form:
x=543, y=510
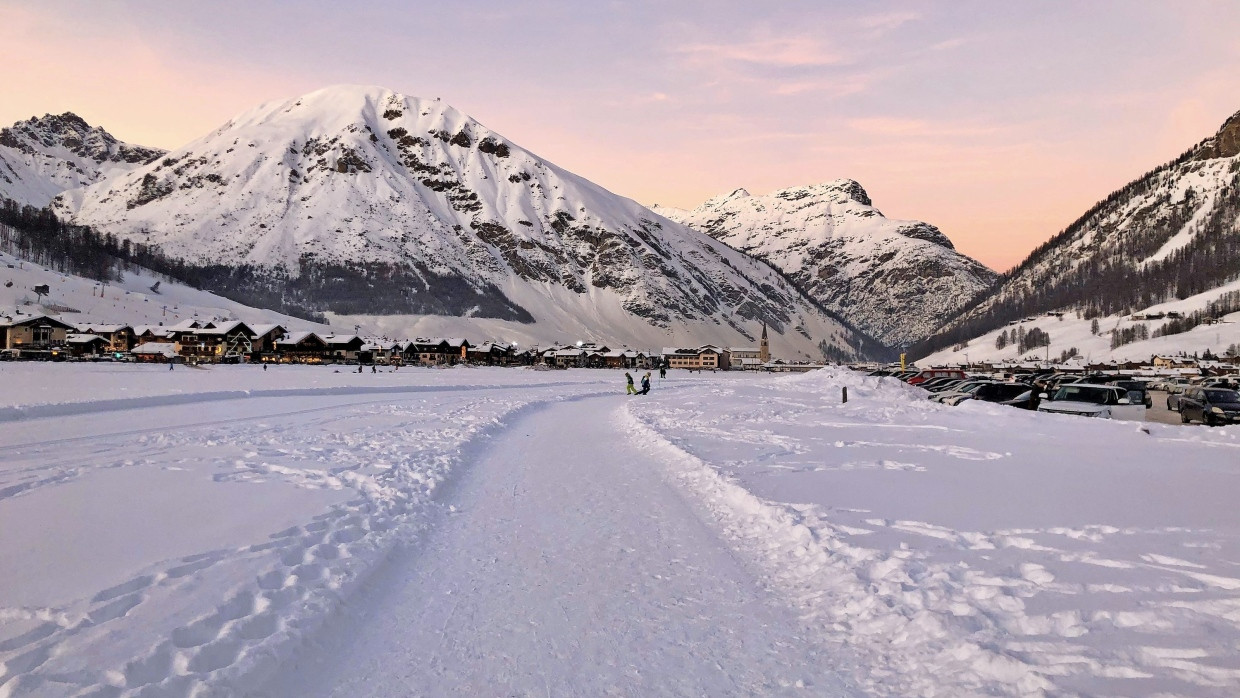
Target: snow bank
x=976, y=550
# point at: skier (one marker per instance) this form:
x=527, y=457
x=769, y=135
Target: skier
x=629, y=389
x=645, y=384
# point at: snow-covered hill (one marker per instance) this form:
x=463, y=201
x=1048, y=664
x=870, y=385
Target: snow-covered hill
x=369, y=203
x=80, y=301
x=896, y=280
x=44, y=156
x=1170, y=237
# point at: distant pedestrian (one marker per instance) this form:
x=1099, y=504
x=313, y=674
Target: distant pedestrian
x=264, y=367
x=645, y=384
x=359, y=368
x=662, y=372
x=170, y=365
x=374, y=368
x=628, y=388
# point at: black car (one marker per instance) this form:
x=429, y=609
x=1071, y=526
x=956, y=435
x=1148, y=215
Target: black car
x=1210, y=406
x=1138, y=393
x=935, y=382
x=1015, y=394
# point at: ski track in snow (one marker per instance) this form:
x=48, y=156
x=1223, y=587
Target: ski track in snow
x=206, y=620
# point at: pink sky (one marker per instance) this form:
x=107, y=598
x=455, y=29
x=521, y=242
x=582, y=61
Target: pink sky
x=998, y=122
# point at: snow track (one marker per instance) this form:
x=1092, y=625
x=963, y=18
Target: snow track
x=565, y=571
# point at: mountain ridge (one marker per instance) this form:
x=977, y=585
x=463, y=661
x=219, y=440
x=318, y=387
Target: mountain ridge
x=410, y=207
x=1169, y=234
x=43, y=156
x=894, y=279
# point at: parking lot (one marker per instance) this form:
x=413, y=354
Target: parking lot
x=1159, y=411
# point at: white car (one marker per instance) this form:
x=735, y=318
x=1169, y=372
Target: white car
x=1087, y=400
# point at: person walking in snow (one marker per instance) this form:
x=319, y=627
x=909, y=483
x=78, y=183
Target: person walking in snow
x=628, y=388
x=662, y=372
x=645, y=384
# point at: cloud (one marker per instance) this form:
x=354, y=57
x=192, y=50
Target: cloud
x=948, y=44
x=833, y=86
x=887, y=21
x=790, y=52
x=919, y=128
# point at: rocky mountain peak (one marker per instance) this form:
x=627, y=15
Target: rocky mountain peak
x=74, y=134
x=1225, y=143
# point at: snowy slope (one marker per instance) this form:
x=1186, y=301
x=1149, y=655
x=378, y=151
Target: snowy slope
x=368, y=202
x=81, y=301
x=44, y=156
x=896, y=280
x=1168, y=235
x=1072, y=332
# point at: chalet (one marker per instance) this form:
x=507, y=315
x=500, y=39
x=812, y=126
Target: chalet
x=437, y=351
x=265, y=338
x=37, y=332
x=490, y=354
x=152, y=352
x=624, y=359
x=1174, y=362
x=569, y=358
x=120, y=338
x=343, y=348
x=82, y=345
x=148, y=334
x=707, y=357
x=216, y=341
x=302, y=347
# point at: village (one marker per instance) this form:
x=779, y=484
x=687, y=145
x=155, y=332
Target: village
x=40, y=337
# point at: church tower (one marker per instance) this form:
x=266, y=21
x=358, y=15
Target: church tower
x=764, y=351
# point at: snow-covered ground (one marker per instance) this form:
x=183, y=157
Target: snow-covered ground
x=301, y=532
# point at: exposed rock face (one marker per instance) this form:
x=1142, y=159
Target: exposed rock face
x=370, y=201
x=44, y=156
x=896, y=280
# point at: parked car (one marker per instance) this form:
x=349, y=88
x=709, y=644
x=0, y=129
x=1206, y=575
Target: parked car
x=935, y=382
x=1137, y=391
x=1092, y=400
x=964, y=388
x=1210, y=406
x=933, y=373
x=994, y=392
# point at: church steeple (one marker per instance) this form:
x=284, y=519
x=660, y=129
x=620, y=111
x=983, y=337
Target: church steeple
x=764, y=350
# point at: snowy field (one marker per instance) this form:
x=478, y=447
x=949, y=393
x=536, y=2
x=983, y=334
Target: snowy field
x=302, y=532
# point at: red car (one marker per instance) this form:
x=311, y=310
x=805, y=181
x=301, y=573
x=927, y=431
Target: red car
x=937, y=373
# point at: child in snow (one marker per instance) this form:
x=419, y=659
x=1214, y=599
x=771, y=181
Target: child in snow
x=645, y=384
x=629, y=389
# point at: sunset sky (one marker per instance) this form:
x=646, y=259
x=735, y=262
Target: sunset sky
x=999, y=122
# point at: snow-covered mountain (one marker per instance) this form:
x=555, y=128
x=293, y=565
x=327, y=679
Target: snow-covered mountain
x=1167, y=237
x=896, y=280
x=44, y=156
x=404, y=212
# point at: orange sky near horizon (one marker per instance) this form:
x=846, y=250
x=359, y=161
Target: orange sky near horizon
x=999, y=156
